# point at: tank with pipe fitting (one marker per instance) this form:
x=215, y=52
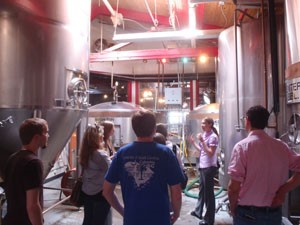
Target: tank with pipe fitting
x=44, y=61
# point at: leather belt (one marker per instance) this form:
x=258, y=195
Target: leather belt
x=259, y=208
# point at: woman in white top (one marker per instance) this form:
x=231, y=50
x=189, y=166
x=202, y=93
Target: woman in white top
x=95, y=162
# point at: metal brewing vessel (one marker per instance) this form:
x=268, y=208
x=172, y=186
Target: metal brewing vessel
x=244, y=79
x=44, y=59
x=120, y=114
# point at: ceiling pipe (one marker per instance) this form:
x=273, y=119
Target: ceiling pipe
x=192, y=22
x=109, y=7
x=172, y=13
x=168, y=35
x=152, y=54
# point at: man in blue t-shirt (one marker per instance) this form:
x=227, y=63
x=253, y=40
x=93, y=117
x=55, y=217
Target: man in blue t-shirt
x=145, y=169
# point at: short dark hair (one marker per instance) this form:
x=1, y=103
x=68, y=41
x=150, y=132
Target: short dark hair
x=143, y=123
x=162, y=129
x=159, y=138
x=258, y=116
x=31, y=127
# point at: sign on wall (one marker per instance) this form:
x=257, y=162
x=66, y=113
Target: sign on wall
x=293, y=83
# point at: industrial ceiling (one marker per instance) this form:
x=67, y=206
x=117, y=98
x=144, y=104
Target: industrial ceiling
x=130, y=37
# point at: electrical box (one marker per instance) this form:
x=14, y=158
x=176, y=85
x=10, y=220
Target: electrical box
x=173, y=96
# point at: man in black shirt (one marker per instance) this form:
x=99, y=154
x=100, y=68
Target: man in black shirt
x=23, y=176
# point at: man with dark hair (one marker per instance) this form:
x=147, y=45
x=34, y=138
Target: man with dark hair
x=145, y=169
x=23, y=178
x=259, y=165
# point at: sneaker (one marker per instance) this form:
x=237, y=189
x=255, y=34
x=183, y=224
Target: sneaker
x=193, y=213
x=203, y=223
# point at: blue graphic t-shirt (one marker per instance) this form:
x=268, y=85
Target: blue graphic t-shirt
x=145, y=169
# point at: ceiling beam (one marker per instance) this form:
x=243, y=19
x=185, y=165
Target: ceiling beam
x=153, y=54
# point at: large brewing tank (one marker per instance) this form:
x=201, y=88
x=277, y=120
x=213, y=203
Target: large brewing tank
x=120, y=114
x=193, y=124
x=44, y=52
x=292, y=75
x=244, y=79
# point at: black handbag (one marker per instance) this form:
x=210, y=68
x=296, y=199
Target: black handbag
x=77, y=196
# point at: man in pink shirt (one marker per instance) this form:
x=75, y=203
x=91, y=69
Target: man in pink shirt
x=259, y=165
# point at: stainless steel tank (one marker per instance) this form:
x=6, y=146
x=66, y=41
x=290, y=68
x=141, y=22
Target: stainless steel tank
x=120, y=114
x=292, y=79
x=292, y=12
x=242, y=82
x=44, y=52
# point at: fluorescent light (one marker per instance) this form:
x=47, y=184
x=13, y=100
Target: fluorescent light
x=168, y=35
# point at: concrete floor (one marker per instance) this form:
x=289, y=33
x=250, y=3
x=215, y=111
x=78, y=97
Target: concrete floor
x=64, y=214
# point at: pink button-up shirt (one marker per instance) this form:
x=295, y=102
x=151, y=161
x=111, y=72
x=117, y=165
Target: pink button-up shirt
x=261, y=163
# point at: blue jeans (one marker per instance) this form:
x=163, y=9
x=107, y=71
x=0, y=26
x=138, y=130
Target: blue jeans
x=253, y=216
x=96, y=209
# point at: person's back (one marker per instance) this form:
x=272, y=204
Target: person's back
x=95, y=163
x=162, y=129
x=268, y=161
x=259, y=166
x=144, y=170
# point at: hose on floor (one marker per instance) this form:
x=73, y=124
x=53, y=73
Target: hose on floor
x=190, y=185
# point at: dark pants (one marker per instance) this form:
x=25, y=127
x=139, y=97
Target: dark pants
x=206, y=194
x=253, y=215
x=96, y=209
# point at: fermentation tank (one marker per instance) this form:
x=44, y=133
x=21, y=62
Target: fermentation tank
x=245, y=79
x=120, y=114
x=292, y=76
x=44, y=52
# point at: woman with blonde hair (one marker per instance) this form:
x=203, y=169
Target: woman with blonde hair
x=94, y=162
x=109, y=129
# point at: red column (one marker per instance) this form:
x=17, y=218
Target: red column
x=191, y=96
x=129, y=91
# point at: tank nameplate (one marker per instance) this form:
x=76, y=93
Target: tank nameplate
x=293, y=83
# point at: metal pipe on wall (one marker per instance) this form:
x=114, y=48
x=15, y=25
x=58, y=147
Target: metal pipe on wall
x=274, y=54
x=236, y=72
x=274, y=61
x=264, y=51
